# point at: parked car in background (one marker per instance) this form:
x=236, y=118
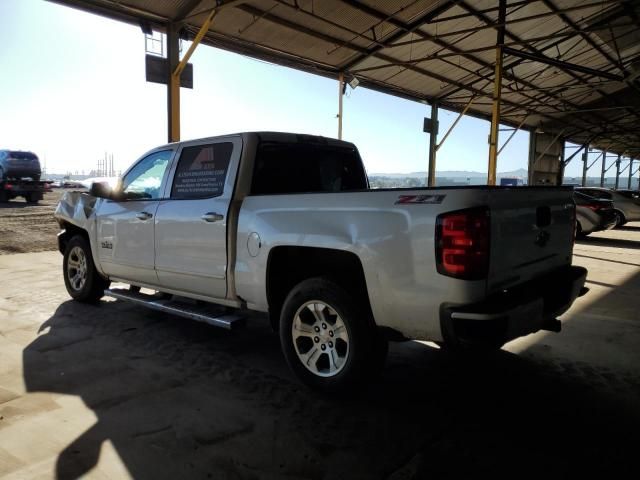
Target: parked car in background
x=15, y=164
x=632, y=194
x=627, y=209
x=593, y=214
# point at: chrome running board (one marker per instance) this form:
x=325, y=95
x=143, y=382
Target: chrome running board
x=215, y=315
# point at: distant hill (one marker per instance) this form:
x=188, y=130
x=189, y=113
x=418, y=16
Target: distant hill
x=521, y=172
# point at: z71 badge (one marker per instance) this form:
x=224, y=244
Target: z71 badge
x=107, y=245
x=422, y=199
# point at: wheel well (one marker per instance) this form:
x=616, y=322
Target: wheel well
x=69, y=231
x=288, y=266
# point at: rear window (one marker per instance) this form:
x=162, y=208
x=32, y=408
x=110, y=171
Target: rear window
x=306, y=168
x=581, y=198
x=22, y=155
x=602, y=194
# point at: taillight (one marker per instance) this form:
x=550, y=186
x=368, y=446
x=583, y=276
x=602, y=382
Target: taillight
x=462, y=243
x=595, y=208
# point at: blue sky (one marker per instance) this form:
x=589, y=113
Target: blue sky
x=73, y=87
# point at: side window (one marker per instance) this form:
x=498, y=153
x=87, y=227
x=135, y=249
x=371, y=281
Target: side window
x=201, y=171
x=145, y=179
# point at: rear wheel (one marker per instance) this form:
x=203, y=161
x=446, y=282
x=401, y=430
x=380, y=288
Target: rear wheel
x=328, y=339
x=620, y=220
x=81, y=278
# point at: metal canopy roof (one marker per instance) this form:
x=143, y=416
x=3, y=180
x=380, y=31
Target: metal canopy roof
x=571, y=67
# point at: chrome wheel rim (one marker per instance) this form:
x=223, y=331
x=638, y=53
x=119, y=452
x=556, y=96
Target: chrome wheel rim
x=320, y=338
x=77, y=268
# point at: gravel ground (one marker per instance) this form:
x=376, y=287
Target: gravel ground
x=29, y=228
x=117, y=391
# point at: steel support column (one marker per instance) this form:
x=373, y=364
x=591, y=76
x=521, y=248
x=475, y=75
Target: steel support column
x=630, y=174
x=173, y=86
x=604, y=162
x=433, y=144
x=497, y=90
x=617, y=172
x=585, y=160
x=340, y=95
x=176, y=66
x=560, y=177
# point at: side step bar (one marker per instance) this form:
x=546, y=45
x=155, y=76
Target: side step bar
x=215, y=315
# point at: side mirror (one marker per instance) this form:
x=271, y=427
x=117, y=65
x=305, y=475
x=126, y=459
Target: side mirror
x=100, y=190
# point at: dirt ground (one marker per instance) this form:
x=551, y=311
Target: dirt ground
x=29, y=228
x=116, y=391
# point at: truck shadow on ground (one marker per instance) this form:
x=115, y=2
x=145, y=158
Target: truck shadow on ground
x=183, y=400
x=629, y=228
x=609, y=242
x=17, y=204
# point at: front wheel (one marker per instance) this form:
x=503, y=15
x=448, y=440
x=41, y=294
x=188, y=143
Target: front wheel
x=328, y=338
x=81, y=278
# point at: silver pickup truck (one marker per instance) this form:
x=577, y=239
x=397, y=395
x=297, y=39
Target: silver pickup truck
x=286, y=224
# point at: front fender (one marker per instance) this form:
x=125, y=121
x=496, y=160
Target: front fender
x=78, y=209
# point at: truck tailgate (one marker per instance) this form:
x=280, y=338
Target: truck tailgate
x=531, y=234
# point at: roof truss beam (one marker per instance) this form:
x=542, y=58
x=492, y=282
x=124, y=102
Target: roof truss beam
x=536, y=57
x=403, y=28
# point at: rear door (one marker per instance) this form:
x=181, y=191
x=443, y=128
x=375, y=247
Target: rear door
x=191, y=224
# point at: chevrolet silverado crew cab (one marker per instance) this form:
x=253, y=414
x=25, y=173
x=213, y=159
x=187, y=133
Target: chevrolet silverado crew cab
x=287, y=225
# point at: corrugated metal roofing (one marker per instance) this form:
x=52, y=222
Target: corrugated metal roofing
x=443, y=50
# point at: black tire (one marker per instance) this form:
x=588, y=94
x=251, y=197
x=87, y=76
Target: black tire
x=32, y=198
x=361, y=355
x=81, y=278
x=620, y=220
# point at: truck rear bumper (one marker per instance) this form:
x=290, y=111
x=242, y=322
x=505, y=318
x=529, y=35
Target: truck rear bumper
x=520, y=311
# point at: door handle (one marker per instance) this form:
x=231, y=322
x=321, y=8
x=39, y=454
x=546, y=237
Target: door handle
x=212, y=217
x=144, y=215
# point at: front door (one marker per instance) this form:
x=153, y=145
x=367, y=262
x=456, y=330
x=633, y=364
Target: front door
x=126, y=226
x=191, y=225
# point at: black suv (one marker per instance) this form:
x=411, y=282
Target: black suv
x=16, y=164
